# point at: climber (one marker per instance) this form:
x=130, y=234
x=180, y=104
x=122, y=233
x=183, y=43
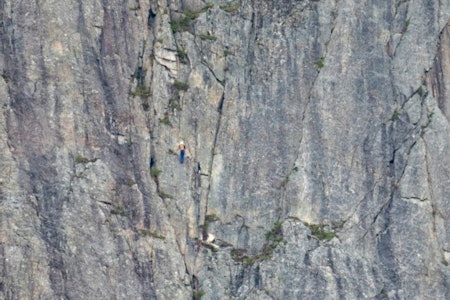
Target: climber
x=182, y=151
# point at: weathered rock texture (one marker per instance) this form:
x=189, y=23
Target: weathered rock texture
x=321, y=129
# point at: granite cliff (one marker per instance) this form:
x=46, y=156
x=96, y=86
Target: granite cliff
x=317, y=134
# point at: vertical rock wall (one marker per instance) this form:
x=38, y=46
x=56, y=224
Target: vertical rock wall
x=317, y=137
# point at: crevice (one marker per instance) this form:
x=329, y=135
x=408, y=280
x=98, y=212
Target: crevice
x=306, y=106
x=213, y=150
x=313, y=85
x=430, y=185
x=221, y=82
x=391, y=47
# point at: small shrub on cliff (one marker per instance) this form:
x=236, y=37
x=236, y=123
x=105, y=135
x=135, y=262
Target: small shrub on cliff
x=79, y=159
x=395, y=115
x=174, y=105
x=154, y=234
x=211, y=218
x=119, y=210
x=183, y=23
x=165, y=120
x=274, y=238
x=180, y=86
x=207, y=37
x=420, y=91
x=141, y=91
x=154, y=172
x=164, y=195
x=197, y=295
x=320, y=63
x=182, y=55
x=320, y=232
x=180, y=25
x=230, y=7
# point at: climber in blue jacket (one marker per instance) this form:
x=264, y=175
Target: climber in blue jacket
x=182, y=152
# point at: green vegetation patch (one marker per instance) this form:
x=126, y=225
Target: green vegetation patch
x=130, y=182
x=207, y=37
x=395, y=115
x=174, y=105
x=165, y=120
x=274, y=238
x=119, y=210
x=211, y=218
x=141, y=91
x=421, y=91
x=320, y=63
x=319, y=231
x=79, y=159
x=182, y=54
x=227, y=52
x=154, y=234
x=183, y=23
x=164, y=195
x=180, y=25
x=197, y=295
x=180, y=86
x=230, y=7
x=154, y=172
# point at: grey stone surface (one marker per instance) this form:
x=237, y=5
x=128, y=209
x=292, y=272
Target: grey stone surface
x=320, y=128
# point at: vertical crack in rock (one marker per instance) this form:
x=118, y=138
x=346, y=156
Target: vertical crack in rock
x=435, y=77
x=213, y=150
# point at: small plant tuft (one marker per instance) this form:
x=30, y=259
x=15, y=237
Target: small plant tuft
x=154, y=172
x=319, y=231
x=164, y=195
x=182, y=54
x=6, y=78
x=154, y=234
x=249, y=260
x=119, y=210
x=79, y=159
x=238, y=254
x=405, y=26
x=285, y=181
x=337, y=224
x=208, y=6
x=211, y=218
x=165, y=120
x=130, y=182
x=227, y=52
x=274, y=238
x=395, y=115
x=197, y=295
x=191, y=14
x=420, y=91
x=207, y=37
x=180, y=25
x=141, y=91
x=230, y=7
x=320, y=63
x=174, y=105
x=180, y=86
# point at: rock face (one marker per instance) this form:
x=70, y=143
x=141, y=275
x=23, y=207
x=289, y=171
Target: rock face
x=317, y=137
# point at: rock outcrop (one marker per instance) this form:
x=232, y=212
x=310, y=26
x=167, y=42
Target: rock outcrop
x=317, y=137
